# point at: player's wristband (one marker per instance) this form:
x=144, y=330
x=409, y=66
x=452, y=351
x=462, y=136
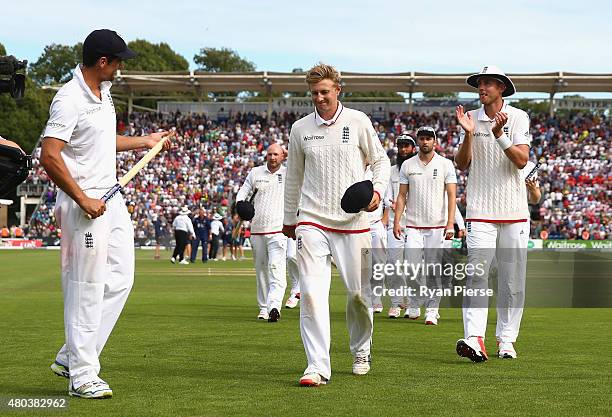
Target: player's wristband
x=450, y=231
x=504, y=141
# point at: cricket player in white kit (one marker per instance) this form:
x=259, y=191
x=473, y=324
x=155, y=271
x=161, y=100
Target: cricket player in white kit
x=397, y=247
x=428, y=186
x=267, y=239
x=97, y=254
x=495, y=146
x=328, y=152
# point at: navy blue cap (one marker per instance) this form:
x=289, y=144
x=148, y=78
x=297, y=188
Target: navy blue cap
x=357, y=196
x=106, y=42
x=245, y=210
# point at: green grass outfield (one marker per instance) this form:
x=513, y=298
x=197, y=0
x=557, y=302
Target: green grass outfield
x=188, y=343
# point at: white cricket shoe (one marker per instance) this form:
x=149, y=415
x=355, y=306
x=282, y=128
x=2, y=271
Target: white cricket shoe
x=60, y=370
x=263, y=314
x=361, y=364
x=293, y=301
x=378, y=308
x=394, y=312
x=413, y=313
x=91, y=389
x=505, y=350
x=184, y=262
x=173, y=260
x=312, y=379
x=431, y=316
x=473, y=348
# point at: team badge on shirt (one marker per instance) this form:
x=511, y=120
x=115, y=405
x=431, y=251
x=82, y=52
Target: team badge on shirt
x=280, y=178
x=345, y=134
x=435, y=173
x=89, y=244
x=299, y=244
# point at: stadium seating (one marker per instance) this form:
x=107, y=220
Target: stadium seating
x=210, y=160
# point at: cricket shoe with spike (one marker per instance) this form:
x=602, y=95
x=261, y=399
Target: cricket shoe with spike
x=96, y=389
x=361, y=364
x=60, y=370
x=505, y=350
x=263, y=314
x=473, y=348
x=274, y=315
x=413, y=313
x=394, y=312
x=431, y=317
x=312, y=379
x=293, y=301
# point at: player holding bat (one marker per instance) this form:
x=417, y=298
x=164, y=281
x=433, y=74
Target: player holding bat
x=97, y=251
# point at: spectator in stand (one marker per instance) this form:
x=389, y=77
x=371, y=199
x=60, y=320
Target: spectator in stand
x=212, y=159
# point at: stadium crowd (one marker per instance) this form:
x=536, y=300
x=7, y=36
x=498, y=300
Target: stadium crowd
x=211, y=157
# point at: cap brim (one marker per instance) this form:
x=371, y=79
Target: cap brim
x=472, y=81
x=126, y=54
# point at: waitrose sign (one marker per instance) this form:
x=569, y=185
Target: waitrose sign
x=578, y=244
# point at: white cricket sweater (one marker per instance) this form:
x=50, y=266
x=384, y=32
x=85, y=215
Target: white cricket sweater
x=324, y=160
x=427, y=202
x=495, y=190
x=269, y=200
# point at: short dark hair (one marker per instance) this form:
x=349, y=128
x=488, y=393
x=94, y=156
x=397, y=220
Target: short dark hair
x=91, y=59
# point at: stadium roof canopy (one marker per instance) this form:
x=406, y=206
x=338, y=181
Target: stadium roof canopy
x=136, y=82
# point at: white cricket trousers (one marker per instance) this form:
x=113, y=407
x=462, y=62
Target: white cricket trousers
x=379, y=256
x=270, y=255
x=292, y=267
x=97, y=261
x=315, y=247
x=397, y=251
x=425, y=245
x=508, y=243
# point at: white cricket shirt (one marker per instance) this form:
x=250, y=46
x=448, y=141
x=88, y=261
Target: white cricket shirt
x=495, y=191
x=269, y=200
x=183, y=222
x=326, y=158
x=427, y=202
x=88, y=126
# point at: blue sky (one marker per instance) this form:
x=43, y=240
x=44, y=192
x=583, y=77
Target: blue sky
x=393, y=36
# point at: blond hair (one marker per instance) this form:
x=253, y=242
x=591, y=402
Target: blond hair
x=322, y=72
